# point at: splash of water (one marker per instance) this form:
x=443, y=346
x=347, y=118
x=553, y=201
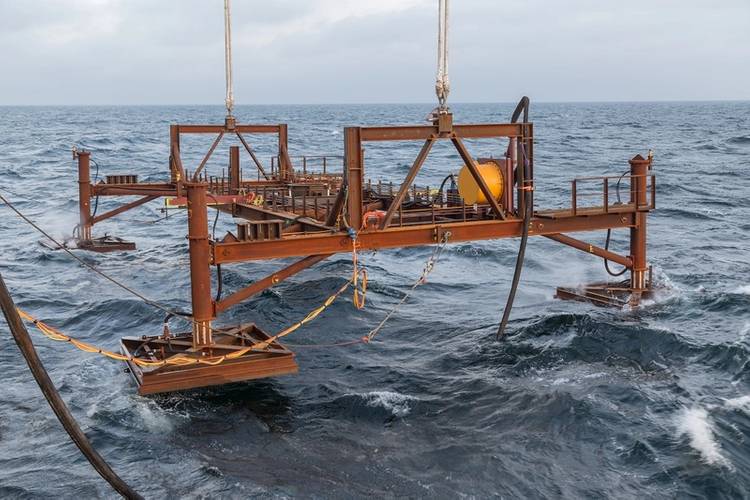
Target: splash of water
x=698, y=426
x=394, y=402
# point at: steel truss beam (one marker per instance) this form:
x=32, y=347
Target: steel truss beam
x=297, y=246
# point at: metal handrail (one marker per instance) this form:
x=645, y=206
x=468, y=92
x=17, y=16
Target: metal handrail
x=650, y=191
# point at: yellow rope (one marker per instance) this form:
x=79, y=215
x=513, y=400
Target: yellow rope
x=359, y=275
x=310, y=316
x=179, y=359
x=57, y=335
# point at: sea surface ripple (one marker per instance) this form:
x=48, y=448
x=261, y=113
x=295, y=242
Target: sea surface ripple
x=580, y=402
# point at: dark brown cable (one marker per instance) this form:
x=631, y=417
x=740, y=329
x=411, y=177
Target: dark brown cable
x=26, y=346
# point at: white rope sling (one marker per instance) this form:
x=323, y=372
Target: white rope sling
x=442, y=83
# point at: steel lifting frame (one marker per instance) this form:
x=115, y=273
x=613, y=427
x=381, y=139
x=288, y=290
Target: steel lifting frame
x=313, y=239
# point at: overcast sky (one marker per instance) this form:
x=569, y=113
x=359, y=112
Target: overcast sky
x=336, y=51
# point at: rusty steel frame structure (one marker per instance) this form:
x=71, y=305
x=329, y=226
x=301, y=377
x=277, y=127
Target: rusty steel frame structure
x=312, y=217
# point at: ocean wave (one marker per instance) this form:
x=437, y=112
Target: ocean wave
x=741, y=140
x=579, y=402
x=396, y=403
x=696, y=424
x=741, y=402
x=378, y=405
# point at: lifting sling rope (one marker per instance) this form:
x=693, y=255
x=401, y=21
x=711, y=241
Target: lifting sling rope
x=442, y=89
x=359, y=275
x=442, y=82
x=229, y=100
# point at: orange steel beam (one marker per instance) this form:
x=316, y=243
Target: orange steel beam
x=85, y=191
x=250, y=151
x=215, y=129
x=234, y=170
x=199, y=250
x=251, y=212
x=423, y=132
x=639, y=167
x=268, y=282
x=592, y=249
x=176, y=171
x=472, y=166
x=123, y=208
x=354, y=173
x=297, y=246
x=139, y=189
x=418, y=162
x=286, y=170
x=196, y=174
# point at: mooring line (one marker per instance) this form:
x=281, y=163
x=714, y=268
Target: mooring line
x=358, y=281
x=183, y=360
x=428, y=268
x=62, y=247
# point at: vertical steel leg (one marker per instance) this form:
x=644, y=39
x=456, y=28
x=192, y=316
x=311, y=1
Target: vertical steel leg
x=234, y=170
x=354, y=172
x=638, y=196
x=200, y=272
x=84, y=195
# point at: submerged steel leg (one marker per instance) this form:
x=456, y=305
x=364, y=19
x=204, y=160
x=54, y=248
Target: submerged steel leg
x=638, y=196
x=200, y=272
x=84, y=195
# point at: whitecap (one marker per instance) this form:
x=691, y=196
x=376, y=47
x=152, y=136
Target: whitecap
x=394, y=402
x=744, y=289
x=698, y=426
x=742, y=402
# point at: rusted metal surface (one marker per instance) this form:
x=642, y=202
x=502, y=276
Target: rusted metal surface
x=84, y=196
x=123, y=208
x=638, y=196
x=422, y=234
x=592, y=249
x=234, y=170
x=200, y=277
x=268, y=281
x=604, y=294
x=275, y=361
x=311, y=215
x=413, y=171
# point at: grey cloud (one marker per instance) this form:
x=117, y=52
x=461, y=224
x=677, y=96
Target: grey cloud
x=138, y=51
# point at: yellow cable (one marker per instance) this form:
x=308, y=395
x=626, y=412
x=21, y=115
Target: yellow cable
x=180, y=359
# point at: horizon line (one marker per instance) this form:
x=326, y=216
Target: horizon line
x=399, y=103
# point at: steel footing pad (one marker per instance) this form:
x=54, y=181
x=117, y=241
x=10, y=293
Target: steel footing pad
x=273, y=361
x=106, y=244
x=605, y=294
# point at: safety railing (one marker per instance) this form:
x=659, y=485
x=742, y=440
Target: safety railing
x=594, y=194
x=313, y=166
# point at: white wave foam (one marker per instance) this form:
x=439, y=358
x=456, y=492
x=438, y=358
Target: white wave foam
x=744, y=332
x=153, y=418
x=394, y=402
x=696, y=424
x=744, y=289
x=742, y=402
